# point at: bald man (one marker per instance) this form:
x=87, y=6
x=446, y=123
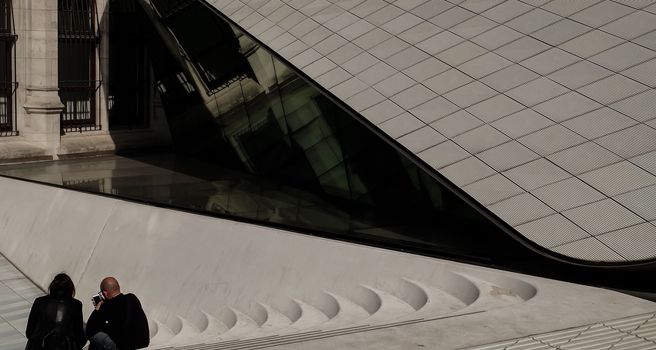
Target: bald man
x=118, y=321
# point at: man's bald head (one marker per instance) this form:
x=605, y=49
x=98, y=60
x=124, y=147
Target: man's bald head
x=110, y=286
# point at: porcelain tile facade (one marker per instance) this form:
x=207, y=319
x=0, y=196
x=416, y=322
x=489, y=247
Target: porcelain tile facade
x=536, y=91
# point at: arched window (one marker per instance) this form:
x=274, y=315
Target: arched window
x=78, y=41
x=7, y=78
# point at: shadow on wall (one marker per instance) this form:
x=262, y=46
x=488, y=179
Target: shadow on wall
x=123, y=97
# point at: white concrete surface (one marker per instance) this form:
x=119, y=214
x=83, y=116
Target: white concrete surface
x=16, y=296
x=539, y=97
x=204, y=279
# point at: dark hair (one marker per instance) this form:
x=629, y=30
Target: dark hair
x=62, y=284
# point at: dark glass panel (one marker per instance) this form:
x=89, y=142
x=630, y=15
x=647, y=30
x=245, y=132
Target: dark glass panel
x=272, y=148
x=128, y=81
x=5, y=61
x=279, y=132
x=169, y=7
x=338, y=176
x=216, y=57
x=75, y=62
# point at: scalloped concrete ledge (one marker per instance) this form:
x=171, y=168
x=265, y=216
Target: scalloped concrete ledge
x=208, y=280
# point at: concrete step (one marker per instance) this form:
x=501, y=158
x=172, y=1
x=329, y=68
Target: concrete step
x=437, y=301
x=241, y=325
x=162, y=335
x=210, y=327
x=273, y=320
x=310, y=316
x=348, y=313
x=492, y=295
x=343, y=311
x=389, y=308
x=186, y=332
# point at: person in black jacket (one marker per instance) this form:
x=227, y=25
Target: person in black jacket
x=55, y=320
x=118, y=321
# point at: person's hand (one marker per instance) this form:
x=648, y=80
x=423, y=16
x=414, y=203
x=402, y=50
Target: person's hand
x=97, y=306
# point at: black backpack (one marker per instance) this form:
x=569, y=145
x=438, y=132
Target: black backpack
x=55, y=339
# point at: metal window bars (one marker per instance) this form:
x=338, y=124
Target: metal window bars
x=8, y=84
x=78, y=86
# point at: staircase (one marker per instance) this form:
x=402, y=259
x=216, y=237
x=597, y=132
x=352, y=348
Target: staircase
x=330, y=313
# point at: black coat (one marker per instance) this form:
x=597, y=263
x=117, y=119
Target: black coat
x=123, y=319
x=42, y=321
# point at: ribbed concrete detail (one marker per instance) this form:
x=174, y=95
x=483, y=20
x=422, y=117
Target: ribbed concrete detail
x=206, y=280
x=358, y=309
x=17, y=294
x=543, y=111
x=635, y=333
x=308, y=316
x=159, y=332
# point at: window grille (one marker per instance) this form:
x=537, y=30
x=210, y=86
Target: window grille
x=78, y=86
x=8, y=83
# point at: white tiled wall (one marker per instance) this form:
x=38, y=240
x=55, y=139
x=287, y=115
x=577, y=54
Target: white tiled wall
x=542, y=110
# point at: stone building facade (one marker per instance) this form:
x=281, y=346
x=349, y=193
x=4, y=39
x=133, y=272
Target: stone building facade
x=57, y=98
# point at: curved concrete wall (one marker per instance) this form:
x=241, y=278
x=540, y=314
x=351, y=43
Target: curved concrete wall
x=543, y=111
x=202, y=278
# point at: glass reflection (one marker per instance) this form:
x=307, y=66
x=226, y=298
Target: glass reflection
x=256, y=141
x=302, y=160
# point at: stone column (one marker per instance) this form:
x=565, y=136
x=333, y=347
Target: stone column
x=41, y=125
